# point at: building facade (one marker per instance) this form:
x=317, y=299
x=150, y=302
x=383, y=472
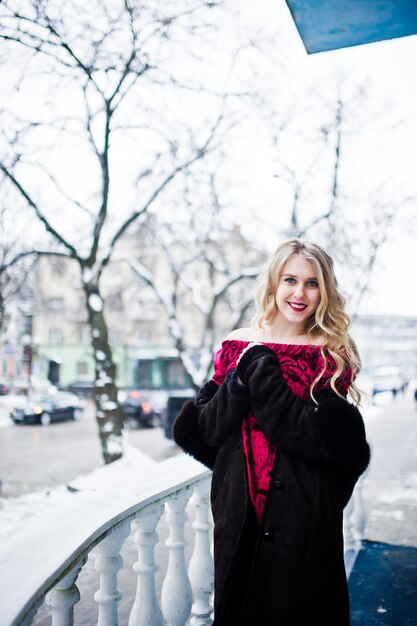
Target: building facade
x=387, y=340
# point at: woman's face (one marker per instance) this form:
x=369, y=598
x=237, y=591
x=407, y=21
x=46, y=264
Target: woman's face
x=298, y=293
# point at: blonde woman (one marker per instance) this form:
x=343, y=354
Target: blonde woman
x=286, y=448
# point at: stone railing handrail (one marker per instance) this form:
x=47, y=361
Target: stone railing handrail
x=38, y=555
x=42, y=559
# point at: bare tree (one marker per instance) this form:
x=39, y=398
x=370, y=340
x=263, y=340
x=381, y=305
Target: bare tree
x=355, y=229
x=205, y=284
x=92, y=84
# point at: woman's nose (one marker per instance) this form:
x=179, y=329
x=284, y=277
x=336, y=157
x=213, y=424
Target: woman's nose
x=299, y=290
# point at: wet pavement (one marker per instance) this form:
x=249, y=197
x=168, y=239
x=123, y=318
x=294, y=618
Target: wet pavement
x=390, y=487
x=34, y=457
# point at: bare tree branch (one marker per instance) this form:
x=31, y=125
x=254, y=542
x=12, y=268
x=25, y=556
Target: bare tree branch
x=37, y=210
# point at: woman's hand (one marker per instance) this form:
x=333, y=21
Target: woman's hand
x=248, y=347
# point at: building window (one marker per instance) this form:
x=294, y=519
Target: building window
x=115, y=337
x=56, y=336
x=143, y=376
x=114, y=302
x=84, y=335
x=176, y=375
x=144, y=332
x=55, y=304
x=82, y=368
x=57, y=265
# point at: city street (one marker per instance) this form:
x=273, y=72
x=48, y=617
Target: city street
x=35, y=457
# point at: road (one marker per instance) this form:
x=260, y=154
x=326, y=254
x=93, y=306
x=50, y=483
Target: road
x=34, y=457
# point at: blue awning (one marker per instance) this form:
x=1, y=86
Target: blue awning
x=331, y=24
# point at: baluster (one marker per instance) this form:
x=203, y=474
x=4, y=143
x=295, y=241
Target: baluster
x=146, y=610
x=349, y=540
x=201, y=568
x=108, y=563
x=358, y=516
x=64, y=596
x=176, y=594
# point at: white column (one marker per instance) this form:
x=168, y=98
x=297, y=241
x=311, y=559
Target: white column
x=146, y=610
x=64, y=596
x=349, y=539
x=358, y=515
x=176, y=597
x=108, y=563
x=201, y=568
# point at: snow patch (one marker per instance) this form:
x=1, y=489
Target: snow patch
x=87, y=275
x=96, y=333
x=103, y=379
x=395, y=514
x=401, y=493
x=95, y=302
x=108, y=427
x=114, y=445
x=18, y=511
x=108, y=405
x=100, y=355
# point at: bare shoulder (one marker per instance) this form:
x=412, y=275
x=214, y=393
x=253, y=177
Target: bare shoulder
x=244, y=334
x=317, y=341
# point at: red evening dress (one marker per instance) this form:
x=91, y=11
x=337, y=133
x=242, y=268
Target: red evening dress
x=300, y=365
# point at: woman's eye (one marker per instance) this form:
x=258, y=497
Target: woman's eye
x=312, y=283
x=289, y=280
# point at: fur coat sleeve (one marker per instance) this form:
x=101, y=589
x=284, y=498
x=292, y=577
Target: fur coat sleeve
x=331, y=432
x=203, y=424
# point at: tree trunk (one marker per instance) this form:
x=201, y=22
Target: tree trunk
x=108, y=411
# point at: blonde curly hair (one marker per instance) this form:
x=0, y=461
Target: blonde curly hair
x=330, y=322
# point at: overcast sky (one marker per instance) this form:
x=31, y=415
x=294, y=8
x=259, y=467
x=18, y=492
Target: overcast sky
x=388, y=147
x=382, y=139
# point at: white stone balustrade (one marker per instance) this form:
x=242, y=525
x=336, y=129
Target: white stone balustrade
x=354, y=522
x=108, y=563
x=55, y=550
x=146, y=610
x=176, y=591
x=64, y=596
x=201, y=568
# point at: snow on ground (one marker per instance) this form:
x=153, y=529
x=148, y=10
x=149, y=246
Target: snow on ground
x=20, y=510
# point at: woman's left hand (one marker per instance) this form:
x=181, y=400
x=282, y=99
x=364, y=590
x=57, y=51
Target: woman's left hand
x=248, y=347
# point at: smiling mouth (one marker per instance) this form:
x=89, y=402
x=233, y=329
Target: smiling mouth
x=297, y=307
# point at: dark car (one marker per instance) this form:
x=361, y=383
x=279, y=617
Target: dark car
x=175, y=402
x=83, y=388
x=45, y=408
x=137, y=408
x=4, y=388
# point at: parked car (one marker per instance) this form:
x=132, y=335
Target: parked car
x=137, y=408
x=387, y=378
x=83, y=388
x=176, y=399
x=4, y=388
x=41, y=408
